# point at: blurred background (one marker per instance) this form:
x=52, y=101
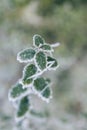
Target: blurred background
x=63, y=21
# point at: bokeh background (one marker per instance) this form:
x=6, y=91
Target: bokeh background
x=63, y=21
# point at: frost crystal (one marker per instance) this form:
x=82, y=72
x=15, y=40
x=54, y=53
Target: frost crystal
x=39, y=59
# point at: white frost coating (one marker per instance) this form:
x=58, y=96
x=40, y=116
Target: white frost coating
x=27, y=85
x=46, y=51
x=47, y=100
x=24, y=61
x=52, y=68
x=55, y=44
x=38, y=74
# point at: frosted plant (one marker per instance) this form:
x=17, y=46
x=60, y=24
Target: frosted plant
x=39, y=59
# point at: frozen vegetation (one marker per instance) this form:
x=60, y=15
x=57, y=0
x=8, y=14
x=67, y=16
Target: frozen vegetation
x=64, y=21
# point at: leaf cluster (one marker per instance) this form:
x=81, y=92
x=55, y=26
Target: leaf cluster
x=39, y=59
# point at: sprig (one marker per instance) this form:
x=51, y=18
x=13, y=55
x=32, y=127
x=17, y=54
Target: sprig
x=39, y=59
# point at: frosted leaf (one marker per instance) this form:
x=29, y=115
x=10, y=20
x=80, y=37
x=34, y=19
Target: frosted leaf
x=52, y=63
x=23, y=108
x=40, y=84
x=29, y=71
x=40, y=60
x=16, y=91
x=46, y=48
x=38, y=40
x=31, y=82
x=26, y=55
x=46, y=93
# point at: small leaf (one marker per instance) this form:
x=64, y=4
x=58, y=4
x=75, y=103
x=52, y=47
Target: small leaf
x=41, y=60
x=38, y=40
x=46, y=48
x=29, y=71
x=46, y=93
x=23, y=107
x=52, y=63
x=16, y=91
x=40, y=84
x=26, y=55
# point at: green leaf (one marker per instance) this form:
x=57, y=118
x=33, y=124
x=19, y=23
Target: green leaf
x=29, y=70
x=40, y=84
x=41, y=60
x=52, y=63
x=23, y=107
x=46, y=93
x=16, y=91
x=26, y=55
x=38, y=40
x=41, y=87
x=46, y=48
